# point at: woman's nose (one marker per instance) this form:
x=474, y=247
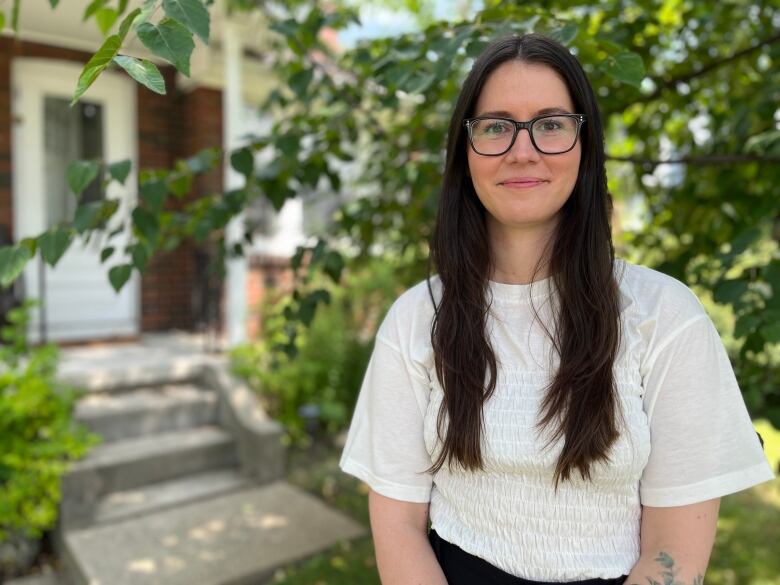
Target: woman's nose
x=523, y=148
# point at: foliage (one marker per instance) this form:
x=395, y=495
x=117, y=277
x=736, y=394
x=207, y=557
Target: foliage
x=331, y=357
x=689, y=99
x=37, y=434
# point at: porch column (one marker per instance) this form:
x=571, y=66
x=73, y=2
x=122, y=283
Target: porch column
x=232, y=112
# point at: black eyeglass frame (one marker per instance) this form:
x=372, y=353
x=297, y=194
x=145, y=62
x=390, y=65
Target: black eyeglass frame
x=579, y=118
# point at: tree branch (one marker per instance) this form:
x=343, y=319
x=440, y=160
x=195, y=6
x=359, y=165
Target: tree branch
x=725, y=159
x=663, y=85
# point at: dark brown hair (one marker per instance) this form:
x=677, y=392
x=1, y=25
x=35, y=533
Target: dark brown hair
x=581, y=400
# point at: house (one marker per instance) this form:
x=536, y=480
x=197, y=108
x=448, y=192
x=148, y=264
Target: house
x=119, y=119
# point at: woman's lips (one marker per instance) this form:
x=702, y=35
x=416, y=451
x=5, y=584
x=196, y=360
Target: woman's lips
x=522, y=184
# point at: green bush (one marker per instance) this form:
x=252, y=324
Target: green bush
x=37, y=434
x=332, y=354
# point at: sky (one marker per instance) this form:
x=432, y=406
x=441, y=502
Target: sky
x=377, y=21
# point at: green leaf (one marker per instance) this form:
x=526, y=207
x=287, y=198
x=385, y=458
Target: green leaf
x=80, y=174
x=54, y=3
x=180, y=185
x=333, y=264
x=96, y=65
x=204, y=161
x=116, y=231
x=745, y=239
x=127, y=23
x=119, y=275
x=169, y=40
x=146, y=223
x=235, y=201
x=746, y=324
x=140, y=256
x=771, y=332
x=299, y=82
x=772, y=275
x=295, y=262
x=418, y=82
x=566, y=34
x=105, y=18
x=243, y=161
x=202, y=230
x=288, y=28
x=92, y=8
x=86, y=216
x=154, y=193
x=120, y=170
x=143, y=71
x=730, y=291
x=54, y=243
x=626, y=67
x=2, y=21
x=31, y=244
x=190, y=13
x=108, y=208
x=12, y=261
x=106, y=253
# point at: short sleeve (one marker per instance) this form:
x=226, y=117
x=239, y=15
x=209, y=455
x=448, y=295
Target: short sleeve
x=703, y=444
x=385, y=446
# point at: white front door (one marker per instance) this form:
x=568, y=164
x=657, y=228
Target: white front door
x=77, y=301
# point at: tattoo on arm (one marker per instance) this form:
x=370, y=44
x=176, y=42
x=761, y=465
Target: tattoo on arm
x=669, y=573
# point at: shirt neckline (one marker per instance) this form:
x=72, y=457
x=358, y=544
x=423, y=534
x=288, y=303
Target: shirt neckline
x=520, y=293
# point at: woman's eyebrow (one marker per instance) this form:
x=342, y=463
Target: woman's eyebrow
x=542, y=112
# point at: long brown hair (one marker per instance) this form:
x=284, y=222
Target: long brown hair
x=581, y=401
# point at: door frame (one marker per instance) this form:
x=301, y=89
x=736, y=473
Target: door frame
x=30, y=77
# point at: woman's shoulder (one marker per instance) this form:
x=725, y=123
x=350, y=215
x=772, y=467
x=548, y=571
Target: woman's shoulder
x=649, y=291
x=411, y=314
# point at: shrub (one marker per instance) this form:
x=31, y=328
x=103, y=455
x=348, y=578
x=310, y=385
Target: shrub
x=333, y=353
x=37, y=434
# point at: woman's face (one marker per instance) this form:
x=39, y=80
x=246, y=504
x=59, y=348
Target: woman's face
x=523, y=188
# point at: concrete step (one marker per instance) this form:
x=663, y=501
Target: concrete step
x=164, y=495
x=136, y=462
x=233, y=539
x=145, y=411
x=118, y=366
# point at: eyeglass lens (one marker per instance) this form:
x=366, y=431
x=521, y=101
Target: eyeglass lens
x=552, y=134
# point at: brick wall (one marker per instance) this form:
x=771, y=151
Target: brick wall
x=267, y=275
x=175, y=287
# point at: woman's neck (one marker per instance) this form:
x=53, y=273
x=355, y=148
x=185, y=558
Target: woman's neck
x=516, y=253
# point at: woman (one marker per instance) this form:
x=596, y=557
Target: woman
x=558, y=415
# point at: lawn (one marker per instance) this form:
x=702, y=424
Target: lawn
x=747, y=549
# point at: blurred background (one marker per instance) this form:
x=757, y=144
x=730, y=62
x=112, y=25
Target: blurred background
x=207, y=206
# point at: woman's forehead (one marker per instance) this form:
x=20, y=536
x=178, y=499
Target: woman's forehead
x=527, y=89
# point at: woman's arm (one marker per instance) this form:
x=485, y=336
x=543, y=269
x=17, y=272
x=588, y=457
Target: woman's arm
x=403, y=554
x=675, y=544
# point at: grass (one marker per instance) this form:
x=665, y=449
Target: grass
x=747, y=548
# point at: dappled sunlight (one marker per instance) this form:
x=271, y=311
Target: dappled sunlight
x=263, y=520
x=127, y=497
x=148, y=566
x=207, y=532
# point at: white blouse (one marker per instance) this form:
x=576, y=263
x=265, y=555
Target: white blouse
x=685, y=434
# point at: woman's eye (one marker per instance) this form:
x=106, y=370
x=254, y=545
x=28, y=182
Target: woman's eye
x=496, y=128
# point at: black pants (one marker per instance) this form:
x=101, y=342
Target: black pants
x=462, y=568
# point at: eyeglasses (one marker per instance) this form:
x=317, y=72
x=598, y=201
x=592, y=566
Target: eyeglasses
x=554, y=134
